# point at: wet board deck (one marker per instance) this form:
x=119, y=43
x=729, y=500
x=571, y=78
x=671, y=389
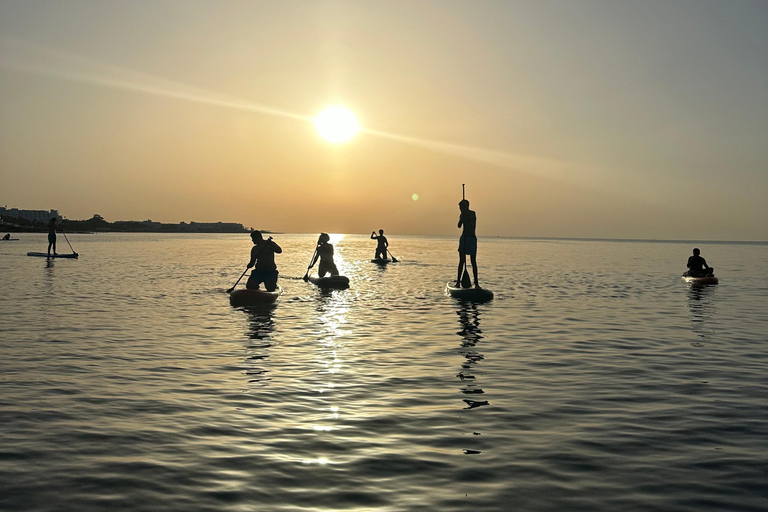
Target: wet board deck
x=246, y=297
x=330, y=282
x=46, y=255
x=472, y=293
x=701, y=280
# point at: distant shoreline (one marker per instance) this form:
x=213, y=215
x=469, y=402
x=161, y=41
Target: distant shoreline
x=97, y=224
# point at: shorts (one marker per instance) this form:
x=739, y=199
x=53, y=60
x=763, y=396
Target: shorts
x=268, y=277
x=51, y=238
x=468, y=245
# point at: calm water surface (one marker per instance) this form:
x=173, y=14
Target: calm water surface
x=595, y=380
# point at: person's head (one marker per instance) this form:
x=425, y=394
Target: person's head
x=256, y=236
x=381, y=231
x=52, y=221
x=696, y=252
x=324, y=238
x=463, y=205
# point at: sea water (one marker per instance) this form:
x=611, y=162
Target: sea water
x=597, y=379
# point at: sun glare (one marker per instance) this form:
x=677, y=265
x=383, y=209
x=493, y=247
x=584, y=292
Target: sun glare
x=336, y=124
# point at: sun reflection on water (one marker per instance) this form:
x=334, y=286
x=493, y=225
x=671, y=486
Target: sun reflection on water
x=332, y=311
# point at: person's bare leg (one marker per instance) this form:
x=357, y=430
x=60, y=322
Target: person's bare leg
x=473, y=259
x=462, y=265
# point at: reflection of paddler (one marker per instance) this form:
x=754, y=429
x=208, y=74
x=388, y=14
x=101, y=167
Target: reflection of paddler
x=469, y=318
x=324, y=252
x=263, y=261
x=261, y=323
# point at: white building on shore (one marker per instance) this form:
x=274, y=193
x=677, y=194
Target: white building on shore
x=31, y=215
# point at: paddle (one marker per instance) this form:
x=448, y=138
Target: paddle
x=394, y=260
x=65, y=238
x=238, y=280
x=306, y=274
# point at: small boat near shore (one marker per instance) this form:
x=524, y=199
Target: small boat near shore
x=245, y=297
x=338, y=282
x=473, y=293
x=46, y=255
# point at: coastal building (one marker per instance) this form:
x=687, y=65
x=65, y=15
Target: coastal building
x=42, y=216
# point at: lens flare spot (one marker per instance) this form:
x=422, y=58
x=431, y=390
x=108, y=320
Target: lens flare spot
x=415, y=197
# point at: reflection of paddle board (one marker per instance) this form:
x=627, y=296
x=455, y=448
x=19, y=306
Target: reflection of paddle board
x=381, y=261
x=471, y=294
x=46, y=255
x=246, y=297
x=330, y=282
x=701, y=280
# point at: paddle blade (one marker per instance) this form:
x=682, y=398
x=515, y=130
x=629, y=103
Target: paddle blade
x=465, y=281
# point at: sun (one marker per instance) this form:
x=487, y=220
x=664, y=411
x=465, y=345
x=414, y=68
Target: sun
x=336, y=124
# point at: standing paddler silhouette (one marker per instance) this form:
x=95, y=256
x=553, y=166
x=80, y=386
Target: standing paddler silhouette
x=467, y=243
x=462, y=288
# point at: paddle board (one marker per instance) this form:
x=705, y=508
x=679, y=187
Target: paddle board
x=472, y=293
x=46, y=255
x=701, y=280
x=246, y=297
x=381, y=261
x=330, y=282
x=8, y=239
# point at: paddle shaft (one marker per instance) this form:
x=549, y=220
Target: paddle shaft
x=65, y=238
x=306, y=274
x=238, y=280
x=392, y=256
x=462, y=192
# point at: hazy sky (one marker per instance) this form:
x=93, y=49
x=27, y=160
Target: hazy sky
x=573, y=118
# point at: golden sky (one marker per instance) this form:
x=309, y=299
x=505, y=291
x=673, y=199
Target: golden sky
x=595, y=118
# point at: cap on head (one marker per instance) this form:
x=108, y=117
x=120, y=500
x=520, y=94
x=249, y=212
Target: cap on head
x=323, y=238
x=696, y=252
